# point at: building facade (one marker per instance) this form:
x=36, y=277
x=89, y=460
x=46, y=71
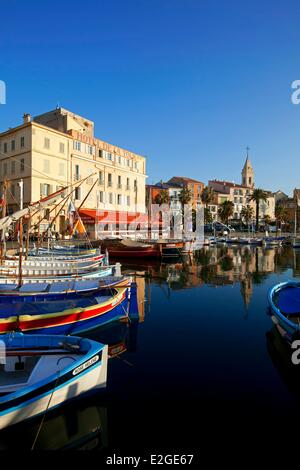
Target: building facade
x=58, y=149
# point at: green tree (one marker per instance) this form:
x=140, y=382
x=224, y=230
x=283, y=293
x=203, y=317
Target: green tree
x=208, y=196
x=257, y=196
x=207, y=216
x=247, y=214
x=281, y=215
x=162, y=197
x=225, y=211
x=185, y=196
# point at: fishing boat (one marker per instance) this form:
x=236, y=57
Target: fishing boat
x=39, y=267
x=271, y=242
x=130, y=249
x=65, y=315
x=58, y=290
x=40, y=277
x=232, y=240
x=284, y=300
x=42, y=372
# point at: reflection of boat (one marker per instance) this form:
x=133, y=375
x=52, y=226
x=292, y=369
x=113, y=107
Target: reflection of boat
x=78, y=425
x=284, y=300
x=43, y=371
x=68, y=316
x=281, y=355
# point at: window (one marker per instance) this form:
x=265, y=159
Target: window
x=108, y=156
x=109, y=176
x=241, y=200
x=136, y=167
x=61, y=169
x=135, y=185
x=235, y=200
x=128, y=200
x=13, y=145
x=45, y=189
x=22, y=142
x=61, y=147
x=5, y=147
x=101, y=178
x=13, y=168
x=101, y=153
x=77, y=145
x=78, y=193
x=119, y=199
x=46, y=143
x=101, y=199
x=119, y=182
x=119, y=160
x=127, y=184
x=90, y=149
x=110, y=198
x=128, y=162
x=250, y=180
x=22, y=165
x=77, y=173
x=46, y=167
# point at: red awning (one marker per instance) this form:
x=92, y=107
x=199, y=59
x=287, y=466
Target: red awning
x=91, y=216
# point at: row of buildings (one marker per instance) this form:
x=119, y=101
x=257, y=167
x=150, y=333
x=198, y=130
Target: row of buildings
x=59, y=148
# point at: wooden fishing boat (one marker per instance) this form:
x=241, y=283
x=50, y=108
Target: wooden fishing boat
x=46, y=291
x=13, y=278
x=64, y=316
x=44, y=371
x=284, y=302
x=130, y=249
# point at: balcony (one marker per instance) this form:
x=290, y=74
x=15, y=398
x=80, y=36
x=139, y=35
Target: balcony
x=109, y=184
x=127, y=187
x=101, y=182
x=77, y=177
x=119, y=186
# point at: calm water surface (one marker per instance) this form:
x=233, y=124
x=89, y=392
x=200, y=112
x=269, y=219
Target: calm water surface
x=201, y=364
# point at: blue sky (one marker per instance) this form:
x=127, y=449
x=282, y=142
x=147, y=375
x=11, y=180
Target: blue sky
x=187, y=83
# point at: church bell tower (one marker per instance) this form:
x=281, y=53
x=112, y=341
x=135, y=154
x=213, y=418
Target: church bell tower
x=248, y=173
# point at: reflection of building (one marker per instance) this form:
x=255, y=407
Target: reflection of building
x=247, y=289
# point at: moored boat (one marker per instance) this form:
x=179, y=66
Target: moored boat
x=42, y=372
x=64, y=316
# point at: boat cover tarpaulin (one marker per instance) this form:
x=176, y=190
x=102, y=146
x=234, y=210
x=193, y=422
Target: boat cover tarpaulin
x=289, y=300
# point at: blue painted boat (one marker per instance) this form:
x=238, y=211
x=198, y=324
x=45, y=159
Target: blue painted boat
x=64, y=316
x=39, y=292
x=41, y=372
x=284, y=302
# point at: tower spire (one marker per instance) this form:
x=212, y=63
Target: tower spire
x=247, y=172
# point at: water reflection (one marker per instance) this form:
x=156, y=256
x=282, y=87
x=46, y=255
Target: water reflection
x=141, y=376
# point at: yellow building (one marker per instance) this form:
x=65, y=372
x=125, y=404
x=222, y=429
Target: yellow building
x=58, y=148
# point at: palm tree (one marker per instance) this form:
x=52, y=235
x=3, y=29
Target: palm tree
x=257, y=196
x=207, y=216
x=281, y=215
x=225, y=211
x=247, y=214
x=208, y=195
x=184, y=197
x=162, y=197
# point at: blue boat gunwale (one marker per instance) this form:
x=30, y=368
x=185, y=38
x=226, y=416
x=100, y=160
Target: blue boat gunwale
x=94, y=349
x=277, y=311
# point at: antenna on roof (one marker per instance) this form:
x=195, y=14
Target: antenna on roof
x=57, y=105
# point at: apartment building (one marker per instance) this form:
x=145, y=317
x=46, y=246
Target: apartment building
x=57, y=149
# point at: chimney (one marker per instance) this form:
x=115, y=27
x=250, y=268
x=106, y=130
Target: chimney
x=26, y=118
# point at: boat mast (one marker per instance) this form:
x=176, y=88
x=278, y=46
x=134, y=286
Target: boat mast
x=3, y=240
x=21, y=185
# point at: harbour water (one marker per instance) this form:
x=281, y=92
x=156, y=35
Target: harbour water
x=201, y=363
